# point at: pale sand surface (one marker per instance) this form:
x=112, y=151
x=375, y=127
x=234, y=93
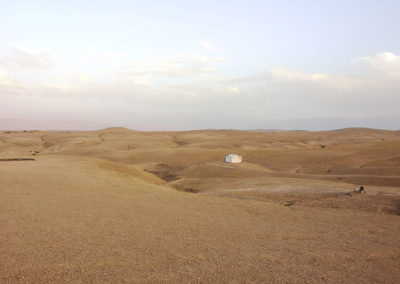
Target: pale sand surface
x=121, y=206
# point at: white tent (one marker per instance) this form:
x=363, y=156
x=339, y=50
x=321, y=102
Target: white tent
x=233, y=158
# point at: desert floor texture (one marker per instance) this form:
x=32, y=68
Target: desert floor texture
x=122, y=206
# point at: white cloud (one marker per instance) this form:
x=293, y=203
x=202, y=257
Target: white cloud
x=314, y=80
x=80, y=77
x=384, y=59
x=233, y=89
x=109, y=56
x=8, y=84
x=277, y=94
x=58, y=87
x=385, y=62
x=207, y=46
x=28, y=58
x=6, y=79
x=285, y=74
x=179, y=65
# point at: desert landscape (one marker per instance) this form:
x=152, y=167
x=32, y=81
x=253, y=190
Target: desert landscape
x=124, y=206
x=199, y=141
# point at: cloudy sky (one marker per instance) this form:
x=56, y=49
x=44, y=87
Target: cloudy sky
x=164, y=65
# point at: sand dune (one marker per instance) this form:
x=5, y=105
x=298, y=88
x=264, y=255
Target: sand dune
x=117, y=205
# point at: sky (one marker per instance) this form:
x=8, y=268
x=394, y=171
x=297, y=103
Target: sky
x=181, y=65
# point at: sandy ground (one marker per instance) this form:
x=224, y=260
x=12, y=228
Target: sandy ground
x=121, y=206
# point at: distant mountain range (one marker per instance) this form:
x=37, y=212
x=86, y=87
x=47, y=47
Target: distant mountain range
x=314, y=124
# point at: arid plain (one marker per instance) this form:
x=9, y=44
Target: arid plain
x=122, y=206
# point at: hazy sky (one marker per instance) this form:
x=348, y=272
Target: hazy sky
x=151, y=65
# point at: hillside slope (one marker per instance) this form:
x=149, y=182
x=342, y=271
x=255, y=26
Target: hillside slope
x=70, y=219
